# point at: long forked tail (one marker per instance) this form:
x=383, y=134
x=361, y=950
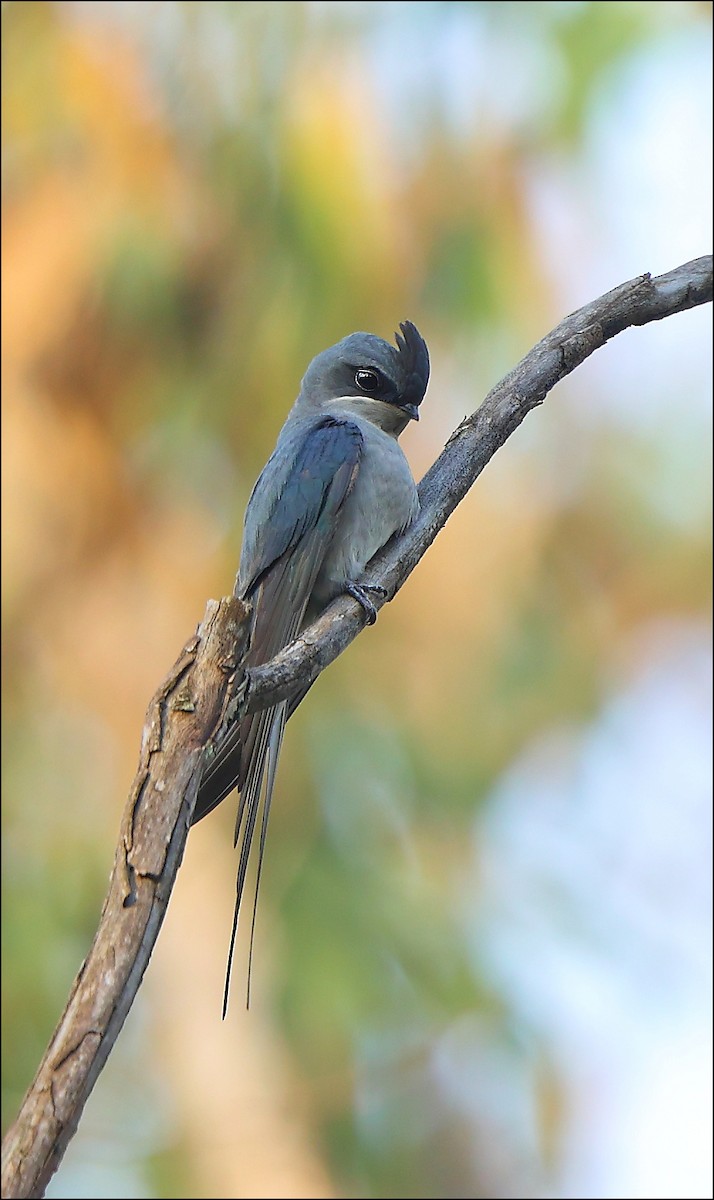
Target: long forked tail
x=270, y=726
x=280, y=599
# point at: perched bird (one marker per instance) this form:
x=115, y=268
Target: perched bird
x=333, y=492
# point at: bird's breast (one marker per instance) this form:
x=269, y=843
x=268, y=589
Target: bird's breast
x=383, y=500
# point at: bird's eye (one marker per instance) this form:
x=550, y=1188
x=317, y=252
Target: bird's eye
x=367, y=381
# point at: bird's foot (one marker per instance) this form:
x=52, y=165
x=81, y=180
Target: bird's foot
x=360, y=593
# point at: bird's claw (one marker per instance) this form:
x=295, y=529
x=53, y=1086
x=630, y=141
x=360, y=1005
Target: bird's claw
x=359, y=592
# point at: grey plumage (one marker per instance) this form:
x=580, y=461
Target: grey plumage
x=333, y=492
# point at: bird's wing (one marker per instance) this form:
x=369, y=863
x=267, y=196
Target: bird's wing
x=298, y=505
x=289, y=523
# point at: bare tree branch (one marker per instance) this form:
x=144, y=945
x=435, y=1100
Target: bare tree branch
x=206, y=689
x=181, y=717
x=470, y=448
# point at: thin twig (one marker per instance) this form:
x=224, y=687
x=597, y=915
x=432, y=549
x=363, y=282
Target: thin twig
x=205, y=690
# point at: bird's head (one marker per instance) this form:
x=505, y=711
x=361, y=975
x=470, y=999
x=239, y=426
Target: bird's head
x=372, y=378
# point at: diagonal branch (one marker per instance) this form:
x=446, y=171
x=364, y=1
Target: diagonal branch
x=470, y=448
x=206, y=689
x=180, y=719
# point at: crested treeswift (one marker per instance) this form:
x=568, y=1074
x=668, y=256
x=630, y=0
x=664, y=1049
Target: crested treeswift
x=334, y=491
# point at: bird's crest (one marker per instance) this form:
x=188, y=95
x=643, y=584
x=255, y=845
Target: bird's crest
x=414, y=359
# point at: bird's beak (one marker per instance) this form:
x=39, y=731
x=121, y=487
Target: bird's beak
x=411, y=410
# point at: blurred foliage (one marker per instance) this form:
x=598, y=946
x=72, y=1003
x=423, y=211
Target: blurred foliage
x=197, y=199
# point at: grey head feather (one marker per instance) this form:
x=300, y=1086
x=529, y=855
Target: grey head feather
x=400, y=372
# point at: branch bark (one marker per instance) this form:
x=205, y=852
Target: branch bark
x=180, y=719
x=206, y=689
x=470, y=448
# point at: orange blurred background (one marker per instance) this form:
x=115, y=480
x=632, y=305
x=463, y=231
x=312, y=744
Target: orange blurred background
x=481, y=954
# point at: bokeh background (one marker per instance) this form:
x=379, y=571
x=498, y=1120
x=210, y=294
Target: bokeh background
x=482, y=956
